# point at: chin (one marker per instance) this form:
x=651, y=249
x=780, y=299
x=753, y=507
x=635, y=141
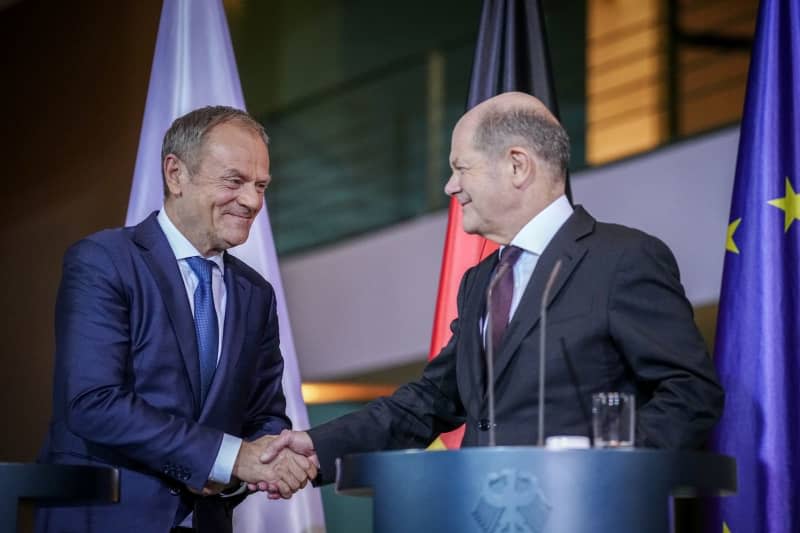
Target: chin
x=235, y=238
x=469, y=226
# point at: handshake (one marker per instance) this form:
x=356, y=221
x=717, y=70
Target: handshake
x=278, y=465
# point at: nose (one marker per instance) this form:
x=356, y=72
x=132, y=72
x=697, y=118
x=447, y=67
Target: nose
x=251, y=197
x=452, y=186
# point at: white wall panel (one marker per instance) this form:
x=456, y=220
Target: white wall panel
x=368, y=303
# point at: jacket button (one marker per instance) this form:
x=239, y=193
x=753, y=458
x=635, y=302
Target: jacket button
x=483, y=424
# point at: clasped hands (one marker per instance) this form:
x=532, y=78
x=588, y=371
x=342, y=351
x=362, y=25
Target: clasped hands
x=280, y=465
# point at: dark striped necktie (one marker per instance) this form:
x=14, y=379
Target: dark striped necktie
x=502, y=294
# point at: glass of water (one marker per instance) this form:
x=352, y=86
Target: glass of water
x=613, y=419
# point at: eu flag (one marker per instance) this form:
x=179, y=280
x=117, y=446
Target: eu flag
x=758, y=334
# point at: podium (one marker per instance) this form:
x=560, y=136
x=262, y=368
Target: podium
x=527, y=489
x=50, y=484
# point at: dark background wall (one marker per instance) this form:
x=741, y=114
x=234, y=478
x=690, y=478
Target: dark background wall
x=73, y=84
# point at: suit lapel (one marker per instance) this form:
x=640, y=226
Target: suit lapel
x=237, y=299
x=564, y=246
x=470, y=324
x=160, y=259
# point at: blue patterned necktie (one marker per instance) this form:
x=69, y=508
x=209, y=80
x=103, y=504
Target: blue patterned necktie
x=205, y=322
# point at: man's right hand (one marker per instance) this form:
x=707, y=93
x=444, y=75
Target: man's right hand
x=285, y=473
x=296, y=442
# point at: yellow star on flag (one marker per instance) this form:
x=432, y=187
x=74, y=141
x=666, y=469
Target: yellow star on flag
x=725, y=528
x=790, y=204
x=730, y=245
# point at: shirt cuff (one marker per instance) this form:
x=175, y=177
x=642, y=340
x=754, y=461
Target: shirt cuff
x=226, y=457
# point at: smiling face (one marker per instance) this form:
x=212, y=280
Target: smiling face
x=214, y=206
x=481, y=185
x=498, y=175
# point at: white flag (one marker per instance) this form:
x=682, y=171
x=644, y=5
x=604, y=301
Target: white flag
x=194, y=66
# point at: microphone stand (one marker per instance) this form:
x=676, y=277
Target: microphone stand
x=542, y=342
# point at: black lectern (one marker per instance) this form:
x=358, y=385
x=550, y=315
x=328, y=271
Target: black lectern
x=525, y=489
x=53, y=485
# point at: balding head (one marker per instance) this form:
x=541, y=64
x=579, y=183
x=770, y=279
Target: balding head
x=509, y=157
x=520, y=119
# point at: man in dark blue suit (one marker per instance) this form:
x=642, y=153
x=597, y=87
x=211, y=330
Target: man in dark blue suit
x=167, y=362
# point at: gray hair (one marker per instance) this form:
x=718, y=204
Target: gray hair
x=499, y=129
x=186, y=135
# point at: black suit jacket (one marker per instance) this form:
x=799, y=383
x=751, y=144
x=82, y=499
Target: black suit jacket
x=617, y=312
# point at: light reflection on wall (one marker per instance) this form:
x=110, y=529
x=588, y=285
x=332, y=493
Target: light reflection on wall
x=658, y=71
x=626, y=108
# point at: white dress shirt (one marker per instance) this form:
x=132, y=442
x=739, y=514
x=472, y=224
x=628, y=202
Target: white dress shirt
x=226, y=456
x=533, y=238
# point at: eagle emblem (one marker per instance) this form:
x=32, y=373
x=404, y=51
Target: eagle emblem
x=511, y=502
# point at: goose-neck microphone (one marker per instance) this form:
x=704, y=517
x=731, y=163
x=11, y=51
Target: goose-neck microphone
x=542, y=343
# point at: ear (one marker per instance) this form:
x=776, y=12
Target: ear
x=523, y=166
x=175, y=174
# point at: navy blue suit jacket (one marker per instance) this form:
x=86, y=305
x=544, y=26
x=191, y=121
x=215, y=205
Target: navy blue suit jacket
x=127, y=378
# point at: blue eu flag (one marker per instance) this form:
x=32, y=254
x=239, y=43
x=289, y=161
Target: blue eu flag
x=758, y=334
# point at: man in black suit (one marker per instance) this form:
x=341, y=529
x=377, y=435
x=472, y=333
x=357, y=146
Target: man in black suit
x=618, y=319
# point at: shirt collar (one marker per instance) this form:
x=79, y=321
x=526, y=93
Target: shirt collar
x=540, y=230
x=180, y=245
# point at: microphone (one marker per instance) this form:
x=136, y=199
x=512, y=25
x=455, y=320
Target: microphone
x=542, y=341
x=490, y=350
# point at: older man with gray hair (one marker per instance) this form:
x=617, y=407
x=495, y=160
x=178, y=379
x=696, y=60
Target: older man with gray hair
x=168, y=364
x=618, y=318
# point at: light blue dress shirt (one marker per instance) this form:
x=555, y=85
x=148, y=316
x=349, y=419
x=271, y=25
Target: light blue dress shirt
x=226, y=456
